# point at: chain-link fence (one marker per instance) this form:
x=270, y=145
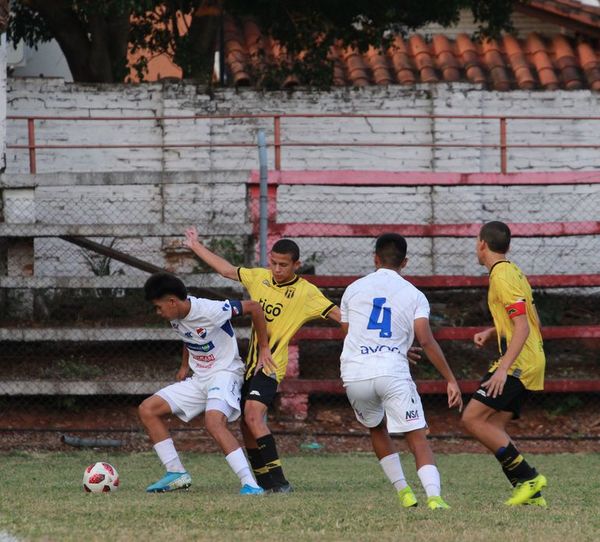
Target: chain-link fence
x=80, y=348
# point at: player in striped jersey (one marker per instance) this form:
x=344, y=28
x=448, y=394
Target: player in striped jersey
x=288, y=302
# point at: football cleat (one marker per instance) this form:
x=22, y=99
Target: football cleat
x=250, y=490
x=437, y=503
x=285, y=488
x=407, y=497
x=526, y=490
x=170, y=482
x=537, y=501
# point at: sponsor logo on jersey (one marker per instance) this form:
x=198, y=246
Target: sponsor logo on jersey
x=378, y=348
x=188, y=334
x=271, y=311
x=226, y=306
x=204, y=358
x=267, y=283
x=201, y=331
x=175, y=326
x=289, y=292
x=412, y=415
x=206, y=347
x=214, y=388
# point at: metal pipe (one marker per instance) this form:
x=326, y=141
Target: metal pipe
x=263, y=198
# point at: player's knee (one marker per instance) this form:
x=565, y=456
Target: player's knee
x=468, y=421
x=215, y=422
x=254, y=417
x=145, y=411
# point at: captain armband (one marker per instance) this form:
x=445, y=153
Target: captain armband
x=516, y=309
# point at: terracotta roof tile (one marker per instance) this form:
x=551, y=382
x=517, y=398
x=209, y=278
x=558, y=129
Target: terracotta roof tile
x=402, y=64
x=542, y=62
x=588, y=60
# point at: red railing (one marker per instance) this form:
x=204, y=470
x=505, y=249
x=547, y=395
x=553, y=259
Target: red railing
x=279, y=142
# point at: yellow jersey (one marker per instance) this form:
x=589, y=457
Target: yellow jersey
x=287, y=307
x=510, y=295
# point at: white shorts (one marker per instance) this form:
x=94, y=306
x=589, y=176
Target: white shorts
x=188, y=398
x=394, y=397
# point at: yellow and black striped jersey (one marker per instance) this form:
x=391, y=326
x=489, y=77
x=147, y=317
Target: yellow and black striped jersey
x=287, y=307
x=510, y=295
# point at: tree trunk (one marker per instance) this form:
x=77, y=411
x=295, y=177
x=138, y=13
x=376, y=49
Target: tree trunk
x=203, y=35
x=3, y=15
x=95, y=53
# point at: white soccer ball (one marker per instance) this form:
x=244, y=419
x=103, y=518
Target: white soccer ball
x=100, y=478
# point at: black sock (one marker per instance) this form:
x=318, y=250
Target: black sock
x=261, y=472
x=514, y=465
x=268, y=452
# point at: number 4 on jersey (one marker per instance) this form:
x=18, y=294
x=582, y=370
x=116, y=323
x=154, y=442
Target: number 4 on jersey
x=381, y=318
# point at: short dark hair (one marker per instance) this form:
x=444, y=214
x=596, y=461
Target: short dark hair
x=391, y=249
x=287, y=246
x=497, y=236
x=162, y=284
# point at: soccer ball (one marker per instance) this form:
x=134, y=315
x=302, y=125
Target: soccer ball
x=100, y=478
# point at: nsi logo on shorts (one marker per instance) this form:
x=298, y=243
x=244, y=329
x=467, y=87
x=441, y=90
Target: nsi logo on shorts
x=412, y=415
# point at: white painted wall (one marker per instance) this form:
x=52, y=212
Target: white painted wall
x=53, y=97
x=148, y=195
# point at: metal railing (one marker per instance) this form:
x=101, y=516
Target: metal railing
x=278, y=141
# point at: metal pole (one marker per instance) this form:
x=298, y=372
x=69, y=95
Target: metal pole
x=263, y=205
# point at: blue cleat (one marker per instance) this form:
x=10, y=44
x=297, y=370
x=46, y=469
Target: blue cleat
x=170, y=482
x=249, y=490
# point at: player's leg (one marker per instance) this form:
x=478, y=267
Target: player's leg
x=151, y=413
x=223, y=406
x=480, y=419
x=501, y=419
x=260, y=394
x=215, y=420
x=405, y=415
x=427, y=470
x=369, y=412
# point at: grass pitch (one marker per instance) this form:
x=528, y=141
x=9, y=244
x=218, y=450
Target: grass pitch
x=338, y=497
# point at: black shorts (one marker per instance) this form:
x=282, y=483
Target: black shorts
x=511, y=399
x=259, y=387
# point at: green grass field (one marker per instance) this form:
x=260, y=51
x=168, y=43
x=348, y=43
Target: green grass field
x=338, y=497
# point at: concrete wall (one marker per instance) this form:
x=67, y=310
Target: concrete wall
x=55, y=98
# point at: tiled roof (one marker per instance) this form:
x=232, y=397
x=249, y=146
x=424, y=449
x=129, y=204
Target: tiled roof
x=532, y=62
x=572, y=14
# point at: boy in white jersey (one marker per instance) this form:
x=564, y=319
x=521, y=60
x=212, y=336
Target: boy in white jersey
x=211, y=352
x=381, y=314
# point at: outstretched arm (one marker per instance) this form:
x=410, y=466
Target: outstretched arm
x=265, y=360
x=220, y=265
x=438, y=360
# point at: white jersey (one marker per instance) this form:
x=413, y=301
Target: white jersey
x=380, y=310
x=209, y=337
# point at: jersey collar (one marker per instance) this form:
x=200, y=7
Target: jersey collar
x=288, y=283
x=498, y=262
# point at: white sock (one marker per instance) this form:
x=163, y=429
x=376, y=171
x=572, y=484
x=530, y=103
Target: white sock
x=393, y=470
x=430, y=480
x=168, y=455
x=239, y=464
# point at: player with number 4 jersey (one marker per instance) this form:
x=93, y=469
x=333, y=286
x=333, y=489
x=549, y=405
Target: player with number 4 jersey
x=381, y=314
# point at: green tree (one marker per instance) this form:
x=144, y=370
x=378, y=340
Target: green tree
x=95, y=36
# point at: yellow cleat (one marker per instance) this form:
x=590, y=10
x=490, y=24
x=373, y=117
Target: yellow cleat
x=407, y=497
x=537, y=501
x=436, y=503
x=526, y=490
